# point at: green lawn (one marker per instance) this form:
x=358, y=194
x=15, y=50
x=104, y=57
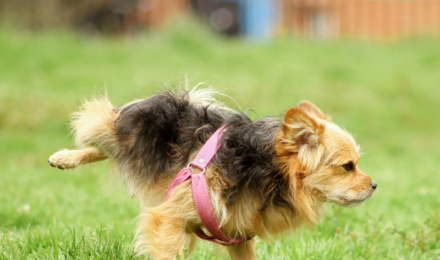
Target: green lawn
x=386, y=94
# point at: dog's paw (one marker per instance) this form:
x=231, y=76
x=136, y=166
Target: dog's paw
x=61, y=160
x=54, y=165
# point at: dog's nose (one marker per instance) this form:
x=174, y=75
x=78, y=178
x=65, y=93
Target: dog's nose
x=373, y=185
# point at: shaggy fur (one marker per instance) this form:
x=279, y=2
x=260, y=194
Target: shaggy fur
x=269, y=176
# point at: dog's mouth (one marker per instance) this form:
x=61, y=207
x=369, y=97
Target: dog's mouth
x=350, y=202
x=347, y=203
x=353, y=203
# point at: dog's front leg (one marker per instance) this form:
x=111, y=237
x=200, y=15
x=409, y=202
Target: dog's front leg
x=243, y=251
x=191, y=242
x=160, y=234
x=68, y=159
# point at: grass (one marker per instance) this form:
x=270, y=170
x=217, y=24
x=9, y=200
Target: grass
x=386, y=94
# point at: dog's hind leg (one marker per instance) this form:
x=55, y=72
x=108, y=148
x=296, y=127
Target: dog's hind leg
x=68, y=159
x=94, y=131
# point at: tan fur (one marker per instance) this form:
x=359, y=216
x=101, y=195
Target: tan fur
x=69, y=159
x=311, y=150
x=243, y=251
x=163, y=229
x=93, y=125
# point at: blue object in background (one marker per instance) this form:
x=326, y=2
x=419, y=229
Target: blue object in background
x=257, y=18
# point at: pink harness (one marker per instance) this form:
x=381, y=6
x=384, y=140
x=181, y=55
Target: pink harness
x=201, y=192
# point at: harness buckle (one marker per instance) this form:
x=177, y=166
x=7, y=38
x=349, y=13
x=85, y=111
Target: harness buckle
x=190, y=164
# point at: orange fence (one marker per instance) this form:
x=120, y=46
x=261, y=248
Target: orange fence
x=370, y=19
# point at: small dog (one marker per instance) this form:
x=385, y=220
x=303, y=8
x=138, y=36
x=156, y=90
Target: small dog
x=269, y=176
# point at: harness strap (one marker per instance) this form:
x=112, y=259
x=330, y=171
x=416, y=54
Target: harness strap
x=201, y=192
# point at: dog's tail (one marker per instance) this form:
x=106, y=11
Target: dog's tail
x=93, y=125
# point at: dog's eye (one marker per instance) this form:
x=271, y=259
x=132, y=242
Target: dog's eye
x=348, y=166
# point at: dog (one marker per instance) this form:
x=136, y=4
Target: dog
x=269, y=176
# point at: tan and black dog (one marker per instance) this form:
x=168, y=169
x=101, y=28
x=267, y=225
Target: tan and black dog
x=269, y=176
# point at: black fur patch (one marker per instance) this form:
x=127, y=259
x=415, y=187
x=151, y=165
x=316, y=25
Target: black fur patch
x=249, y=161
x=159, y=133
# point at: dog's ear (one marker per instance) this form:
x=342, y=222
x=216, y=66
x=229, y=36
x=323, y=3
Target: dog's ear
x=312, y=110
x=300, y=129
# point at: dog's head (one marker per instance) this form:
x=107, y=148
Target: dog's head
x=321, y=158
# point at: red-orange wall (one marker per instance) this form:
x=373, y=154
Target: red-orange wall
x=384, y=19
x=155, y=13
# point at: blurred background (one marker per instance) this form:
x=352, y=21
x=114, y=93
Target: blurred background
x=373, y=65
x=256, y=19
